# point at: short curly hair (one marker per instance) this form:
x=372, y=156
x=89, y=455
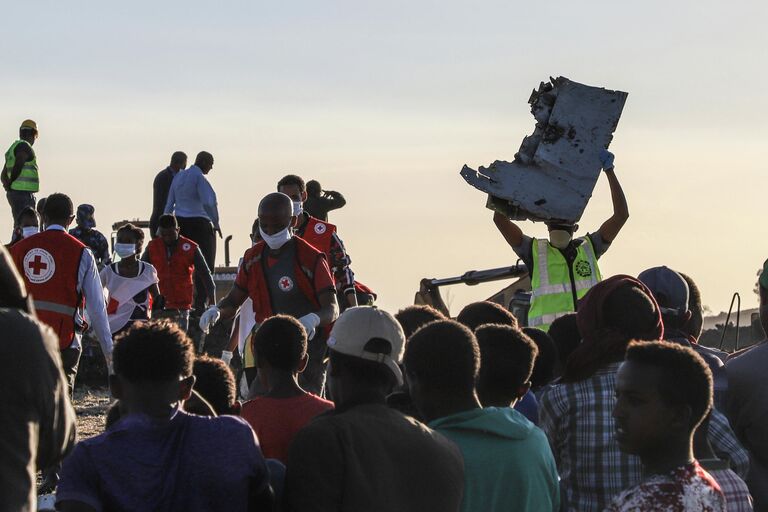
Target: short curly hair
x=282, y=341
x=507, y=358
x=685, y=377
x=443, y=355
x=485, y=312
x=154, y=351
x=215, y=382
x=292, y=179
x=411, y=318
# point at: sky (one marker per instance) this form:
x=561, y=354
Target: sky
x=386, y=101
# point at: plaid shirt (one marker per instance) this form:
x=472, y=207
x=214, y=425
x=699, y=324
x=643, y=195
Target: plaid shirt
x=737, y=497
x=577, y=418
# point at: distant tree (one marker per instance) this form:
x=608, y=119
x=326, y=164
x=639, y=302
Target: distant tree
x=756, y=289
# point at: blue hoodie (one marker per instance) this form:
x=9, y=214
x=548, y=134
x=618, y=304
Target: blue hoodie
x=508, y=464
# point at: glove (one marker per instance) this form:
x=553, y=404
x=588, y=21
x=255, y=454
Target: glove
x=310, y=322
x=606, y=159
x=210, y=317
x=226, y=356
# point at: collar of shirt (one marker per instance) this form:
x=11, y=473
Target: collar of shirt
x=55, y=227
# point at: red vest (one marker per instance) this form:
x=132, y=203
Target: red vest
x=319, y=234
x=258, y=289
x=50, y=262
x=176, y=275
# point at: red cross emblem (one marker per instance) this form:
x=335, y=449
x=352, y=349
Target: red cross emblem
x=285, y=283
x=39, y=266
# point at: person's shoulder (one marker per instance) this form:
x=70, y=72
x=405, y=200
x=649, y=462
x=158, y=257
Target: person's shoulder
x=748, y=362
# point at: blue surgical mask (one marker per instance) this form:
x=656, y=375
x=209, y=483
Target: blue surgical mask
x=277, y=240
x=298, y=208
x=125, y=250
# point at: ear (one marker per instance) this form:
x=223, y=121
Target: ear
x=575, y=228
x=522, y=390
x=71, y=220
x=303, y=363
x=304, y=196
x=185, y=387
x=115, y=387
x=687, y=317
x=294, y=221
x=237, y=409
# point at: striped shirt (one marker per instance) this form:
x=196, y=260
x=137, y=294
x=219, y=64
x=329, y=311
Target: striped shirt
x=577, y=418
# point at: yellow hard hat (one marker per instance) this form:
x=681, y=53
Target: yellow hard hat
x=29, y=124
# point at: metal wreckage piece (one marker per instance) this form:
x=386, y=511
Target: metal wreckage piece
x=555, y=171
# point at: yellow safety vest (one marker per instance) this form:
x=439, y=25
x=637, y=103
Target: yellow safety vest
x=554, y=284
x=28, y=180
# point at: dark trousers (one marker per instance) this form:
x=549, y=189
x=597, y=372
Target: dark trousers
x=200, y=230
x=18, y=201
x=70, y=360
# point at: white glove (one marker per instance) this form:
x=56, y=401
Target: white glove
x=226, y=356
x=310, y=321
x=210, y=317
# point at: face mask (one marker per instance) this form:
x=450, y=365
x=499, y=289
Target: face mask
x=298, y=208
x=125, y=250
x=277, y=240
x=560, y=238
x=29, y=231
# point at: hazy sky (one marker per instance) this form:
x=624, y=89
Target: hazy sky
x=385, y=101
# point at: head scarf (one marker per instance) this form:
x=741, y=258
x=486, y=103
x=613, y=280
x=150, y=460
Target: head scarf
x=602, y=343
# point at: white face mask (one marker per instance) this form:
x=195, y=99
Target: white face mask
x=560, y=238
x=125, y=250
x=29, y=231
x=298, y=208
x=277, y=240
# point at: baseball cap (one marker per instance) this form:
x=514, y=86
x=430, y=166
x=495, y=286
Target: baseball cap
x=668, y=287
x=29, y=124
x=764, y=276
x=85, y=215
x=359, y=325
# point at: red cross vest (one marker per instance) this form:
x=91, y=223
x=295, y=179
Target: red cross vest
x=49, y=263
x=319, y=234
x=254, y=262
x=175, y=274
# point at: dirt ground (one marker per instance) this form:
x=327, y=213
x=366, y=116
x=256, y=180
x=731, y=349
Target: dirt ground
x=91, y=406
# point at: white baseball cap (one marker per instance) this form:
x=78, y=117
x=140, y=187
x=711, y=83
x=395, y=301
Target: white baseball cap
x=359, y=325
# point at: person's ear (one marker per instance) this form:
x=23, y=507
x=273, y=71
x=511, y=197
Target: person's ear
x=687, y=317
x=70, y=221
x=236, y=409
x=303, y=363
x=304, y=196
x=185, y=387
x=115, y=387
x=294, y=221
x=575, y=228
x=522, y=389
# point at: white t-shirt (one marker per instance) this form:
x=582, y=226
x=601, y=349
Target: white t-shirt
x=127, y=298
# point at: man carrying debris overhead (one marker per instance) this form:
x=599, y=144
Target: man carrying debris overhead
x=562, y=268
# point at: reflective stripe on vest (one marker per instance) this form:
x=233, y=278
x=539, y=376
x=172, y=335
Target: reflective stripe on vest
x=42, y=305
x=28, y=180
x=551, y=281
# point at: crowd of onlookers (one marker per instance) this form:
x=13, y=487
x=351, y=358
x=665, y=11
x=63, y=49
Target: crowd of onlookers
x=421, y=412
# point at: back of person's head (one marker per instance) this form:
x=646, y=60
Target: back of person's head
x=444, y=357
x=484, y=312
x=168, y=221
x=58, y=207
x=544, y=366
x=411, y=318
x=671, y=293
x=695, y=324
x=216, y=384
x=156, y=351
x=13, y=292
x=313, y=188
x=507, y=358
x=685, y=380
x=281, y=342
x=203, y=159
x=613, y=312
x=179, y=159
x=564, y=332
x=40, y=206
x=366, y=347
x=292, y=179
x=28, y=213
